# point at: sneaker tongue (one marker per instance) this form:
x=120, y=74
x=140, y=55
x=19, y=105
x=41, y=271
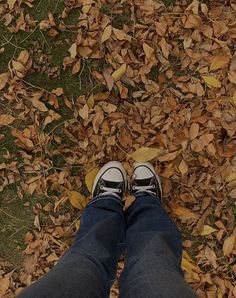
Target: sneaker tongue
x=142, y=182
x=110, y=184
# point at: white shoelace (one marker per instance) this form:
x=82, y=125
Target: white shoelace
x=110, y=189
x=144, y=188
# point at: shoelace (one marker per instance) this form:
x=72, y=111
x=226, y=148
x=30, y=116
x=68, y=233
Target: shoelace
x=110, y=189
x=144, y=187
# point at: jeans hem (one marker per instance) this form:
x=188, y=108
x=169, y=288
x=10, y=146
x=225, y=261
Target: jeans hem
x=101, y=198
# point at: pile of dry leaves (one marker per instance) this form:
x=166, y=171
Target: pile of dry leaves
x=165, y=92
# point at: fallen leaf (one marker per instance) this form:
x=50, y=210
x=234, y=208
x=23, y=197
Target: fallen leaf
x=194, y=130
x=84, y=112
x=58, y=91
x=207, y=230
x=76, y=67
x=11, y=3
x=109, y=79
x=212, y=81
x=77, y=224
x=118, y=74
x=90, y=101
x=182, y=212
x=3, y=79
x=234, y=97
x=228, y=245
x=211, y=256
x=106, y=33
x=121, y=35
x=183, y=167
x=219, y=62
x=170, y=156
x=89, y=178
x=6, y=119
x=39, y=105
x=145, y=154
x=77, y=200
x=73, y=50
x=4, y=285
x=149, y=51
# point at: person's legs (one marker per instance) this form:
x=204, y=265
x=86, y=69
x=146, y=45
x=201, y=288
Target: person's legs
x=154, y=247
x=88, y=268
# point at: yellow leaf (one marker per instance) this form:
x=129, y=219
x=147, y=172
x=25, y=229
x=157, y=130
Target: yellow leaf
x=228, y=245
x=144, y=154
x=73, y=50
x=106, y=33
x=89, y=178
x=149, y=51
x=117, y=74
x=207, y=230
x=90, y=101
x=3, y=79
x=11, y=3
x=77, y=200
x=219, y=62
x=77, y=224
x=182, y=212
x=212, y=81
x=6, y=119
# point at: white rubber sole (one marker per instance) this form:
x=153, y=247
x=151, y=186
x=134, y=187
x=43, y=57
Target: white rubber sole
x=150, y=166
x=110, y=164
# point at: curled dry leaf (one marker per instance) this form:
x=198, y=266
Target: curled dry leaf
x=77, y=200
x=144, y=154
x=89, y=178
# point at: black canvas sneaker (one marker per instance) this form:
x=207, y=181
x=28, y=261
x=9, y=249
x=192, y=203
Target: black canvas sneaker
x=110, y=180
x=145, y=179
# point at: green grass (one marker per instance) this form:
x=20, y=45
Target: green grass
x=16, y=219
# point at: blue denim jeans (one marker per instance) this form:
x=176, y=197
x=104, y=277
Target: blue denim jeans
x=151, y=243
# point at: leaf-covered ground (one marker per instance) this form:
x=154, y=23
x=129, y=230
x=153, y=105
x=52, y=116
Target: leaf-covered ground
x=83, y=82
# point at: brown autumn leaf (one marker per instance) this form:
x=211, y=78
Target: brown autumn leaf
x=228, y=245
x=183, y=167
x=169, y=156
x=3, y=79
x=6, y=119
x=182, y=212
x=149, y=51
x=109, y=79
x=219, y=62
x=194, y=130
x=76, y=67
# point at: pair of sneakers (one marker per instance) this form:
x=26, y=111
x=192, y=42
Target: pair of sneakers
x=112, y=180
